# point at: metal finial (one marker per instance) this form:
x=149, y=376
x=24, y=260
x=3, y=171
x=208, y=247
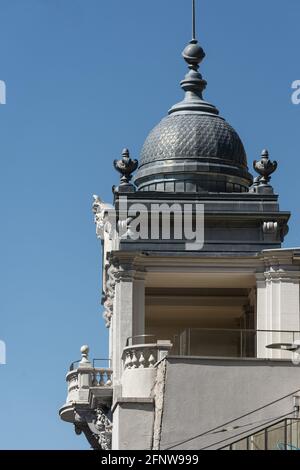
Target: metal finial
x=193, y=20
x=264, y=167
x=193, y=54
x=126, y=166
x=193, y=83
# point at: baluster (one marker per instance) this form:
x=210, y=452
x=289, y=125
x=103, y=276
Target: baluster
x=142, y=361
x=151, y=360
x=108, y=381
x=128, y=360
x=94, y=379
x=134, y=360
x=101, y=381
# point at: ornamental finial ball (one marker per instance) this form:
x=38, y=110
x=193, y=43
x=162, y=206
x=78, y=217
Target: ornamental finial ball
x=84, y=350
x=193, y=54
x=265, y=153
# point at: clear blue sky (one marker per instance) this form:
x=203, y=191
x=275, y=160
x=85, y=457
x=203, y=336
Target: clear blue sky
x=86, y=78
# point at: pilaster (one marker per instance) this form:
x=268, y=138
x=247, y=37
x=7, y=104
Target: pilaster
x=129, y=311
x=277, y=302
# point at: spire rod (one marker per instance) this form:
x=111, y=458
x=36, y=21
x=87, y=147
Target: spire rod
x=193, y=83
x=193, y=20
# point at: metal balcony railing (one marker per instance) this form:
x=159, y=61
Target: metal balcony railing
x=141, y=339
x=102, y=363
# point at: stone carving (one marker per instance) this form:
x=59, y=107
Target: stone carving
x=264, y=167
x=270, y=227
x=104, y=427
x=96, y=426
x=126, y=166
x=107, y=228
x=105, y=221
x=108, y=310
x=108, y=299
x=84, y=424
x=102, y=211
x=97, y=204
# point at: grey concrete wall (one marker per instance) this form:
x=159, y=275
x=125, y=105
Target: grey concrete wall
x=133, y=424
x=204, y=394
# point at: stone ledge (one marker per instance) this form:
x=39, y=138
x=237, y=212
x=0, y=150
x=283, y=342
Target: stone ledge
x=131, y=400
x=100, y=395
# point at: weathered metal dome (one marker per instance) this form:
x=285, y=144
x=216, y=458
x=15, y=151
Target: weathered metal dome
x=193, y=149
x=193, y=135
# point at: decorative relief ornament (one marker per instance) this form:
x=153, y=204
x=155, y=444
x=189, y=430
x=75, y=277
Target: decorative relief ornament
x=104, y=427
x=103, y=213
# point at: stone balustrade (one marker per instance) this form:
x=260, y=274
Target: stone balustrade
x=139, y=368
x=145, y=356
x=102, y=377
x=72, y=380
x=85, y=377
x=89, y=401
x=97, y=377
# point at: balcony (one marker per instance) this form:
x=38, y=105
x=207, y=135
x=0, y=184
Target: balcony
x=224, y=342
x=140, y=358
x=144, y=351
x=89, y=400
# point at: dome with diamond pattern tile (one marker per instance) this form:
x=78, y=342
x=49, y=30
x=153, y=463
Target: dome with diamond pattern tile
x=193, y=149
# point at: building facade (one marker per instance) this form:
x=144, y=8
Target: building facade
x=196, y=288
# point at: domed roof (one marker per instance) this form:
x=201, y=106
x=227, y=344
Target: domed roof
x=193, y=149
x=193, y=135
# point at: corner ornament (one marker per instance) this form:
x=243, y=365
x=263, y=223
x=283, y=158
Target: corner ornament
x=125, y=166
x=103, y=218
x=264, y=167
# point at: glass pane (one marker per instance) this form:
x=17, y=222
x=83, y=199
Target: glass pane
x=241, y=445
x=215, y=343
x=293, y=435
x=257, y=441
x=282, y=436
x=276, y=436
